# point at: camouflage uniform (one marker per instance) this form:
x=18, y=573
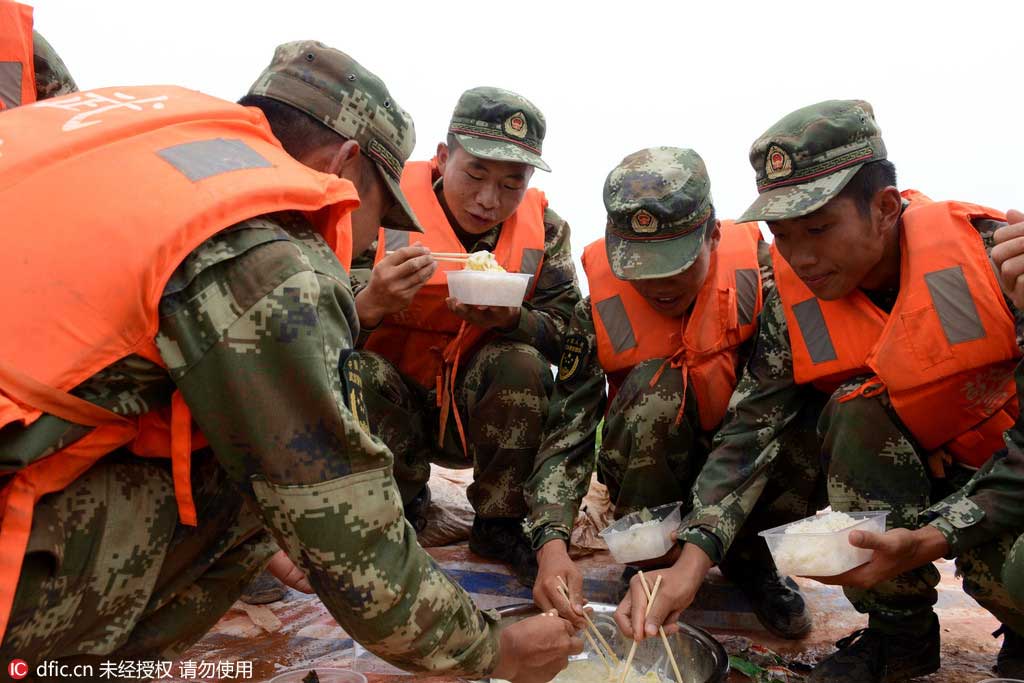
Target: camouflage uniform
x=645, y=458
x=502, y=389
x=257, y=329
x=871, y=461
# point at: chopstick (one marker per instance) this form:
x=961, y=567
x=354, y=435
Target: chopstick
x=632, y=649
x=661, y=630
x=565, y=593
x=449, y=258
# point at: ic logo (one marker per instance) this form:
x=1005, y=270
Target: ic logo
x=17, y=669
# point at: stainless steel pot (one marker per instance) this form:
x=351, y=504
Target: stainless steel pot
x=700, y=657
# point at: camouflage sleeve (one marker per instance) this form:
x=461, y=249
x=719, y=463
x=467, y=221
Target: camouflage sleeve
x=52, y=77
x=565, y=461
x=765, y=401
x=254, y=326
x=546, y=315
x=990, y=504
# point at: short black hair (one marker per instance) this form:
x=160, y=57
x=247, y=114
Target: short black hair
x=867, y=182
x=298, y=132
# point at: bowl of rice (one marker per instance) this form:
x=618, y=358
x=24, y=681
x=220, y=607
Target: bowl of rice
x=820, y=545
x=484, y=282
x=642, y=535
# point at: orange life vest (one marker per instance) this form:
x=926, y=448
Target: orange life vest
x=104, y=193
x=17, y=61
x=426, y=341
x=703, y=344
x=945, y=353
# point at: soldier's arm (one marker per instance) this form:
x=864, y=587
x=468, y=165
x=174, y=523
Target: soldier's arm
x=765, y=401
x=52, y=76
x=543, y=319
x=565, y=461
x=253, y=326
x=990, y=504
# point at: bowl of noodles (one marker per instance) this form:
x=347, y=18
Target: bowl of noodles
x=483, y=282
x=701, y=658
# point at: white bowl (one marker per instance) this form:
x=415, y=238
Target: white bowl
x=487, y=288
x=821, y=554
x=649, y=537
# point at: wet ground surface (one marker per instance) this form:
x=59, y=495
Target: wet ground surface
x=302, y=633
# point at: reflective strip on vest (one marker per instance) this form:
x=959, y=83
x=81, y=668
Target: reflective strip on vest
x=10, y=84
x=616, y=322
x=207, y=158
x=955, y=306
x=815, y=332
x=746, y=294
x=531, y=260
x=395, y=239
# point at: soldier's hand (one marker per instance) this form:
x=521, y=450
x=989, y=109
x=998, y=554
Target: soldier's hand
x=394, y=281
x=501, y=318
x=1008, y=255
x=554, y=566
x=285, y=571
x=896, y=551
x=534, y=650
x=679, y=585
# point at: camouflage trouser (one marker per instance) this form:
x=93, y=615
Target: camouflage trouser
x=502, y=396
x=647, y=459
x=874, y=464
x=110, y=574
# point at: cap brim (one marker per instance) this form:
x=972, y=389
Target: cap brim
x=794, y=201
x=650, y=260
x=496, y=150
x=400, y=216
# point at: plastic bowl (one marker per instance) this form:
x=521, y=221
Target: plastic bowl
x=326, y=675
x=487, y=288
x=821, y=554
x=642, y=535
x=700, y=657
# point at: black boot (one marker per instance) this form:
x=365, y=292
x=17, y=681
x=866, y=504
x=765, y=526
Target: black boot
x=416, y=509
x=503, y=539
x=265, y=588
x=873, y=656
x=1010, y=662
x=776, y=600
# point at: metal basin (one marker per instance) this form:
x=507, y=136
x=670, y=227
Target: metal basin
x=700, y=657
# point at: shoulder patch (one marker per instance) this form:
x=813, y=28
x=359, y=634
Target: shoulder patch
x=573, y=349
x=352, y=381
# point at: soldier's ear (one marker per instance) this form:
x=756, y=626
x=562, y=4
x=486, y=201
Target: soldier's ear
x=346, y=162
x=442, y=157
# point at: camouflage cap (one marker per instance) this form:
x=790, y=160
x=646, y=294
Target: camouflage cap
x=336, y=90
x=659, y=209
x=496, y=124
x=806, y=159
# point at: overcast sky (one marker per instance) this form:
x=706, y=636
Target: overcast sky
x=611, y=78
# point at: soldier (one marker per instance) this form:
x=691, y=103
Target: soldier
x=887, y=305
x=674, y=299
x=468, y=386
x=195, y=266
x=30, y=69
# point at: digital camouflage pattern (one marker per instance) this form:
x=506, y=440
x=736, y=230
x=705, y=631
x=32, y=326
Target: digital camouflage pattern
x=645, y=458
x=255, y=324
x=872, y=464
x=52, y=77
x=806, y=158
x=497, y=124
x=659, y=209
x=502, y=389
x=339, y=92
x=146, y=592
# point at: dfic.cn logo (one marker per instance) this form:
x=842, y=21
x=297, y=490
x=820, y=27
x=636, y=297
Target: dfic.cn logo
x=17, y=669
